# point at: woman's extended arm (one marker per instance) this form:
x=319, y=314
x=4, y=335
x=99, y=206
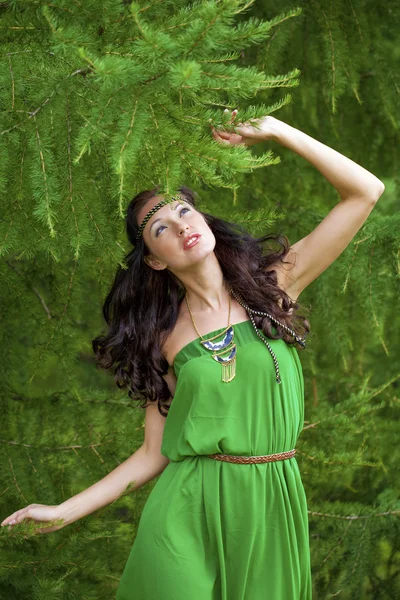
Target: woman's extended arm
x=359, y=191
x=138, y=469
x=347, y=177
x=144, y=464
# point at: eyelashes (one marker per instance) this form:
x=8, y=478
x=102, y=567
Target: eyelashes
x=180, y=214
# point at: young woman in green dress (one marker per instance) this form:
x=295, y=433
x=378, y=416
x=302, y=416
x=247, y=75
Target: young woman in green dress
x=202, y=329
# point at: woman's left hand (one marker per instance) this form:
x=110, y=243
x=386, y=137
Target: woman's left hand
x=245, y=133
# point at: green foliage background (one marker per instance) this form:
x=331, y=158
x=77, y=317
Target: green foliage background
x=102, y=99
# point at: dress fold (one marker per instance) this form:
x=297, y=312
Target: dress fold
x=213, y=530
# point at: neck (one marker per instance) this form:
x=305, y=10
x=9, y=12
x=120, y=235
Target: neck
x=206, y=289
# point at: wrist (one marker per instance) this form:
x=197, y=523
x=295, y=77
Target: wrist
x=279, y=131
x=63, y=511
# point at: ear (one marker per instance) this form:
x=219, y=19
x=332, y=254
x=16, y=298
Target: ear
x=154, y=263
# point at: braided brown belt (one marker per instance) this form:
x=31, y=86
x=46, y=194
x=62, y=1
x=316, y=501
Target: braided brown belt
x=253, y=459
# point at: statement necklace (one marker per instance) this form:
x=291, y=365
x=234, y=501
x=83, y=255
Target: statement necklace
x=226, y=346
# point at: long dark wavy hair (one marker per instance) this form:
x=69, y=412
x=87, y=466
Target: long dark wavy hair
x=142, y=306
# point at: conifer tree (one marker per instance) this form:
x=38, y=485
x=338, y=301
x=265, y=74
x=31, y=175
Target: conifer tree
x=101, y=100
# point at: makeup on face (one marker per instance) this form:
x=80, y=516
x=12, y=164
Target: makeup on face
x=191, y=240
x=182, y=209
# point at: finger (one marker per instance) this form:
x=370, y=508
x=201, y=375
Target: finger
x=46, y=529
x=218, y=137
x=233, y=113
x=244, y=131
x=21, y=515
x=222, y=141
x=12, y=518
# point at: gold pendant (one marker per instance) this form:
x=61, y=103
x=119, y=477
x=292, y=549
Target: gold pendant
x=228, y=364
x=228, y=370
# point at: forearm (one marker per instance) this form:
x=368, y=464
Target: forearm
x=137, y=470
x=346, y=176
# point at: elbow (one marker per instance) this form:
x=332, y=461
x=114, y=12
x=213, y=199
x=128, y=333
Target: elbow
x=380, y=188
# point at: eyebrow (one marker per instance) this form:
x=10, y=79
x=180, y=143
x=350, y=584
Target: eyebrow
x=160, y=218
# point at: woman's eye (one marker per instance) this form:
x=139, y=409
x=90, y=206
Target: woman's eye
x=162, y=226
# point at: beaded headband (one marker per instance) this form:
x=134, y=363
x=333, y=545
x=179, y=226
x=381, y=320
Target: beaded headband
x=151, y=213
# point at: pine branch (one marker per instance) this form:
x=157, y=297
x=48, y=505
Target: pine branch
x=90, y=446
x=33, y=113
x=40, y=355
x=42, y=301
x=354, y=517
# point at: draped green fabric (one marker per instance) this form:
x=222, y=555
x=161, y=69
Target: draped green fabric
x=213, y=530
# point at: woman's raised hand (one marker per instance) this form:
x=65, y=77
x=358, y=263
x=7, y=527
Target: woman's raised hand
x=245, y=133
x=36, y=512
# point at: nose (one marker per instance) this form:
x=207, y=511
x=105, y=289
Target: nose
x=183, y=227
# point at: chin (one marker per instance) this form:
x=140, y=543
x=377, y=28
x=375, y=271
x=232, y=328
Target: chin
x=203, y=254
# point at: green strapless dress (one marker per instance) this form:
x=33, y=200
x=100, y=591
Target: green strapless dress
x=213, y=530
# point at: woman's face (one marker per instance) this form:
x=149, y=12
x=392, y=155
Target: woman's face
x=165, y=233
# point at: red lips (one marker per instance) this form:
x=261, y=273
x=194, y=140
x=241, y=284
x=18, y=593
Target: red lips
x=190, y=238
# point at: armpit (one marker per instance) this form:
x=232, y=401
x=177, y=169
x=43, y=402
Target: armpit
x=285, y=281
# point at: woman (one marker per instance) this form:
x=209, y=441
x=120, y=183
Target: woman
x=202, y=329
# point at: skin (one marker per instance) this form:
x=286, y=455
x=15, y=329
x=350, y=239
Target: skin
x=197, y=268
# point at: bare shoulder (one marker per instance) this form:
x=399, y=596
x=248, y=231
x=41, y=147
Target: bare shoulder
x=176, y=340
x=182, y=334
